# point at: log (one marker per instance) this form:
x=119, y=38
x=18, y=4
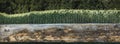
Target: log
x=9, y=29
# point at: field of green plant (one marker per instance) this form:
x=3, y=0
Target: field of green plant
x=62, y=16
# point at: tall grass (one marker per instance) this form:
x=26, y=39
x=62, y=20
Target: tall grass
x=62, y=16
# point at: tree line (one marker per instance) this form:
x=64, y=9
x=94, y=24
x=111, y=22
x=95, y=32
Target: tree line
x=21, y=6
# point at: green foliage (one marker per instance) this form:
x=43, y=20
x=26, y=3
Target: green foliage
x=22, y=6
x=63, y=16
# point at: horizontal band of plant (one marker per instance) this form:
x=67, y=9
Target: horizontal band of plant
x=62, y=16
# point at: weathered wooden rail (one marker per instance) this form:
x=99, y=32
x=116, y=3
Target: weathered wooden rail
x=8, y=29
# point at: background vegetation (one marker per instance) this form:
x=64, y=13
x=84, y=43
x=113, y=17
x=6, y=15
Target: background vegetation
x=22, y=6
x=62, y=16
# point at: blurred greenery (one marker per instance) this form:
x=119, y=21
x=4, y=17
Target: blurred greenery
x=22, y=6
x=63, y=16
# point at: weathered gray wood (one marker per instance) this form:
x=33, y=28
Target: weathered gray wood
x=8, y=29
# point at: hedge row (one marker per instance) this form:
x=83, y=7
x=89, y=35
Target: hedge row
x=62, y=16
